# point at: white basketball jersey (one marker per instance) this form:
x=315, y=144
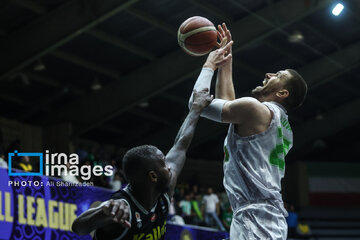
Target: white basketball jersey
x=255, y=165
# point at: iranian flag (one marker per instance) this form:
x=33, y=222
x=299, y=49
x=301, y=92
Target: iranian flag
x=334, y=184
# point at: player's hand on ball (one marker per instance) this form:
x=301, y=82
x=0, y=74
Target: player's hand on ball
x=119, y=210
x=220, y=56
x=202, y=98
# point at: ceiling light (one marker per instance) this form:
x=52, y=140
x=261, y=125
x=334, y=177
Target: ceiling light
x=144, y=104
x=96, y=84
x=337, y=9
x=296, y=37
x=39, y=66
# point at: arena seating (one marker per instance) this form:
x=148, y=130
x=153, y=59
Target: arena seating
x=328, y=223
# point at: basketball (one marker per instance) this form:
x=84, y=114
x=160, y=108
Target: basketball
x=197, y=36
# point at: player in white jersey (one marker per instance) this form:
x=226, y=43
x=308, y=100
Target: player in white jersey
x=258, y=139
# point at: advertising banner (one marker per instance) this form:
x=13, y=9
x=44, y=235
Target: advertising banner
x=39, y=207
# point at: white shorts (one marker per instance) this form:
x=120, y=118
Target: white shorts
x=258, y=221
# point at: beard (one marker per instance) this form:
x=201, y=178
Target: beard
x=260, y=92
x=257, y=92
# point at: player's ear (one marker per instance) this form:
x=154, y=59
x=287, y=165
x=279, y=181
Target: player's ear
x=283, y=93
x=153, y=176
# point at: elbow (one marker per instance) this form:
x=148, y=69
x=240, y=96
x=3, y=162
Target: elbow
x=190, y=104
x=76, y=228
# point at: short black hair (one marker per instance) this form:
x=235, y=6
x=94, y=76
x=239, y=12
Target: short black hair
x=136, y=162
x=297, y=88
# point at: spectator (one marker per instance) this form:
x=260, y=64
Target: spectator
x=226, y=216
x=303, y=230
x=197, y=214
x=3, y=163
x=211, y=204
x=25, y=164
x=292, y=220
x=185, y=206
x=116, y=182
x=195, y=190
x=224, y=200
x=67, y=177
x=172, y=210
x=177, y=199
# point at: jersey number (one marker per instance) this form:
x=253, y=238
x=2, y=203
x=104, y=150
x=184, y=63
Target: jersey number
x=277, y=155
x=226, y=154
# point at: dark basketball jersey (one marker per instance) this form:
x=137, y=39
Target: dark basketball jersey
x=145, y=225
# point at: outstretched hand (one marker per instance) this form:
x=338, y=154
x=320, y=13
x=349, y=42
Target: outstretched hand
x=223, y=33
x=201, y=99
x=118, y=210
x=220, y=56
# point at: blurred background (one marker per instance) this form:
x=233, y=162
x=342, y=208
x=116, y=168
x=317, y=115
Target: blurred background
x=99, y=77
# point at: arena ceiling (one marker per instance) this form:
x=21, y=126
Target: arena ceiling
x=54, y=53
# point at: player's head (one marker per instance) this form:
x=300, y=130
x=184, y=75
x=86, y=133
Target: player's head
x=146, y=165
x=286, y=87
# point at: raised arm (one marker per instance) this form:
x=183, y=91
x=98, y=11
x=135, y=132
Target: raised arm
x=215, y=59
x=224, y=81
x=175, y=158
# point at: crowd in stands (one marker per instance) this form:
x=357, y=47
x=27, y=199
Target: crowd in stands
x=200, y=206
x=98, y=156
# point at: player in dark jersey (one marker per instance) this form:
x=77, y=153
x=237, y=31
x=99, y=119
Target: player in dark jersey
x=139, y=211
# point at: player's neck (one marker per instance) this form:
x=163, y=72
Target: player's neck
x=145, y=195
